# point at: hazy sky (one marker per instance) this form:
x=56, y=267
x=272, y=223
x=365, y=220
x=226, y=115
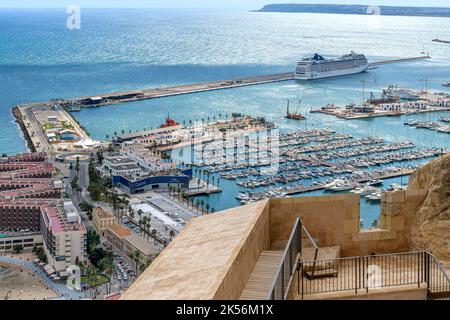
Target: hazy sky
x=238, y=4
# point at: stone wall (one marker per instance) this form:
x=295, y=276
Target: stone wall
x=334, y=221
x=239, y=272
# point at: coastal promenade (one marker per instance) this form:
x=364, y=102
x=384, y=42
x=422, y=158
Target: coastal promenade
x=59, y=288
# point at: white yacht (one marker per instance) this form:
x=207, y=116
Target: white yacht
x=317, y=67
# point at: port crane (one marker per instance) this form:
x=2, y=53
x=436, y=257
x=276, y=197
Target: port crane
x=294, y=115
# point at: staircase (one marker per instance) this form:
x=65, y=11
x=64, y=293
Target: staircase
x=262, y=276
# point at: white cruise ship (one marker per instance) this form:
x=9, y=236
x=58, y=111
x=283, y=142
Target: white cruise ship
x=318, y=67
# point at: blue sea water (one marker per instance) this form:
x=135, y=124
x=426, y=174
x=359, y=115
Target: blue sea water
x=117, y=50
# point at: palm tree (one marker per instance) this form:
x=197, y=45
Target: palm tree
x=148, y=227
x=108, y=267
x=207, y=207
x=90, y=273
x=77, y=167
x=135, y=257
x=107, y=137
x=144, y=224
x=172, y=234
x=131, y=212
x=197, y=203
x=140, y=212
x=202, y=202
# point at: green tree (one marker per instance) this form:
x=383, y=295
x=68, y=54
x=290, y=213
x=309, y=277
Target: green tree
x=74, y=183
x=202, y=203
x=41, y=254
x=93, y=240
x=108, y=267
x=18, y=248
x=77, y=166
x=197, y=203
x=135, y=257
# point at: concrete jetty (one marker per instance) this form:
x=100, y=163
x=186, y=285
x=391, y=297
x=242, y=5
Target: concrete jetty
x=390, y=61
x=161, y=92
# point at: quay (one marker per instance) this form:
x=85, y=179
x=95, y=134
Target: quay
x=390, y=61
x=352, y=116
x=160, y=92
x=154, y=93
x=376, y=176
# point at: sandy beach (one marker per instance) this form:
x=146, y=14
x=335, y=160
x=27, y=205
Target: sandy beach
x=18, y=284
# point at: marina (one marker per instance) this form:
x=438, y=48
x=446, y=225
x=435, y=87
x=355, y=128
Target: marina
x=309, y=161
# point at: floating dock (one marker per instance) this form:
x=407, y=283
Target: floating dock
x=304, y=189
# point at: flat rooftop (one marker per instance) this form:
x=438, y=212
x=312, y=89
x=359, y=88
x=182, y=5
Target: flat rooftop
x=120, y=230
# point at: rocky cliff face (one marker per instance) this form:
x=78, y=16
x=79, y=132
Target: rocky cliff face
x=431, y=223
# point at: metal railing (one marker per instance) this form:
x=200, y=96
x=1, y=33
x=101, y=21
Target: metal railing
x=288, y=264
x=374, y=271
x=438, y=281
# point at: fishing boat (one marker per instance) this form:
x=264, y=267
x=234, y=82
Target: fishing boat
x=446, y=84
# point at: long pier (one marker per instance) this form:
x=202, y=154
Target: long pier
x=161, y=92
x=382, y=62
